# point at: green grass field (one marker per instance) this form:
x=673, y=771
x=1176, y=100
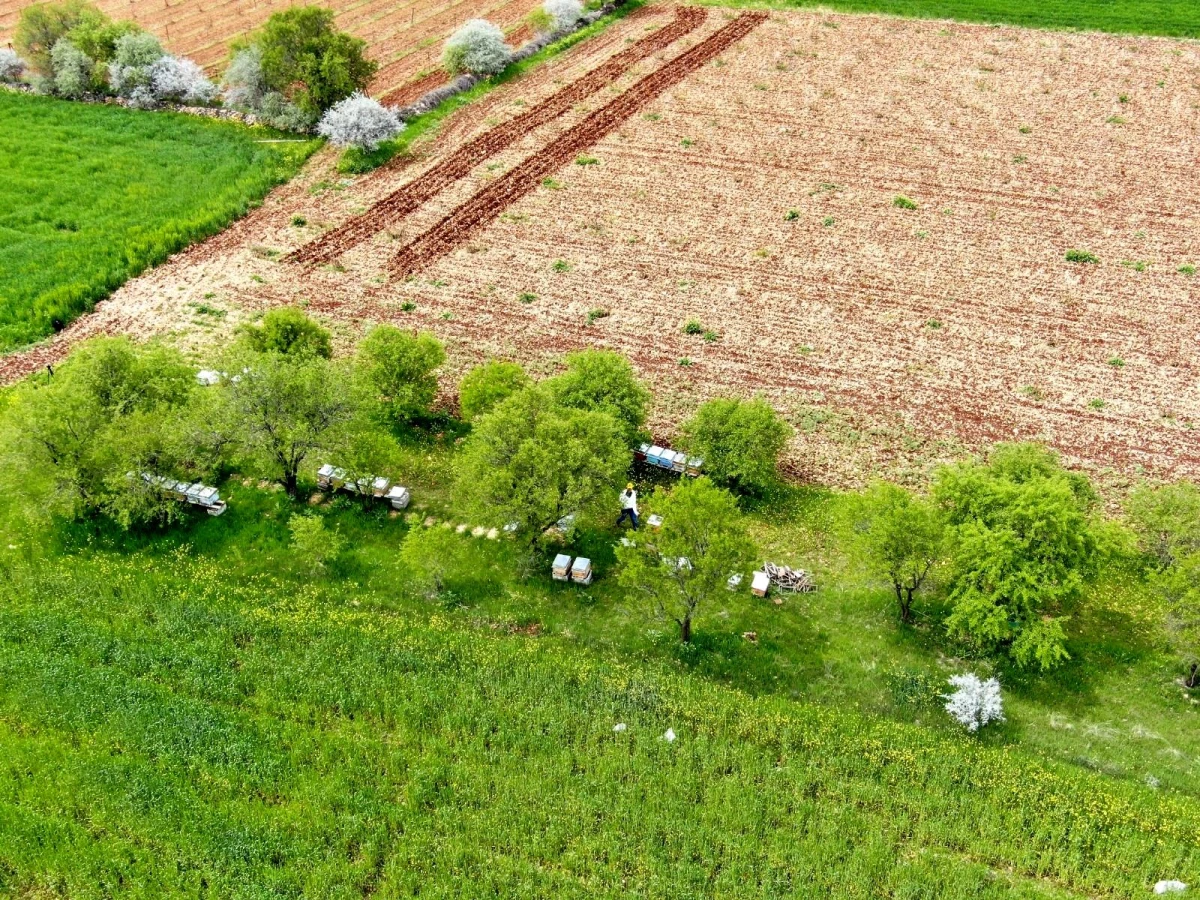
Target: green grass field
x=1174, y=18
x=92, y=195
x=190, y=712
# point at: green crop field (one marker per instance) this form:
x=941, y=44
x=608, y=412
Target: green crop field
x=1175, y=18
x=92, y=195
x=173, y=730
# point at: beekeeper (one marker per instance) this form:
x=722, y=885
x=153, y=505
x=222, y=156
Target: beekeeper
x=629, y=506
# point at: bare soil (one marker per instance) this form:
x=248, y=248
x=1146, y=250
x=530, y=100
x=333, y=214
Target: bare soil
x=758, y=197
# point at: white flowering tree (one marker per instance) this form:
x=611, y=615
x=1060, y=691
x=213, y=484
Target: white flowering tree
x=477, y=47
x=359, y=121
x=974, y=702
x=11, y=65
x=563, y=13
x=180, y=80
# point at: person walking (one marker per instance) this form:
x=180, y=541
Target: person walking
x=629, y=506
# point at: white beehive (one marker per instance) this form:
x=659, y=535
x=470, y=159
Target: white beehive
x=561, y=570
x=581, y=571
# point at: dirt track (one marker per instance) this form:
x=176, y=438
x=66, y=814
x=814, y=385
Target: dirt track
x=457, y=165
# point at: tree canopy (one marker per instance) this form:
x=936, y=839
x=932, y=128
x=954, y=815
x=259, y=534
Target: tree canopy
x=603, y=381
x=530, y=461
x=702, y=542
x=1024, y=544
x=487, y=385
x=306, y=59
x=740, y=442
x=400, y=368
x=900, y=536
x=288, y=330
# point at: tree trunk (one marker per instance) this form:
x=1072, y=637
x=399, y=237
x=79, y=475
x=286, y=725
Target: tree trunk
x=685, y=630
x=905, y=605
x=1193, y=676
x=290, y=480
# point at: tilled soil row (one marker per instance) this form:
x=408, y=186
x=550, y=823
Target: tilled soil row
x=456, y=228
x=459, y=164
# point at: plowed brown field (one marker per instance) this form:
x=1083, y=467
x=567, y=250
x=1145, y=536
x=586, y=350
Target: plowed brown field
x=404, y=38
x=757, y=197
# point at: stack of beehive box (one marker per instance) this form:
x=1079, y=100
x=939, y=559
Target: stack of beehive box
x=561, y=570
x=581, y=571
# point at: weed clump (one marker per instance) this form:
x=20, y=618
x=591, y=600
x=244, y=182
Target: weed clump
x=1082, y=256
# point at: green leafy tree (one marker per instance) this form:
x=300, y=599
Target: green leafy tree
x=306, y=59
x=41, y=26
x=286, y=409
x=682, y=567
x=1179, y=586
x=400, y=368
x=97, y=37
x=901, y=537
x=315, y=545
x=485, y=386
x=740, y=442
x=1166, y=519
x=1025, y=542
x=603, y=381
x=532, y=462
x=72, y=440
x=289, y=331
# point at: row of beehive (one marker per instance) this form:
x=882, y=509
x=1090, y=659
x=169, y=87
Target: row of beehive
x=332, y=478
x=665, y=458
x=195, y=493
x=578, y=570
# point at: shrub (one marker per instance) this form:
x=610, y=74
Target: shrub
x=290, y=332
x=181, y=81
x=279, y=112
x=477, y=47
x=1082, y=256
x=400, y=368
x=11, y=65
x=311, y=63
x=359, y=121
x=604, y=381
x=42, y=25
x=243, y=86
x=130, y=67
x=974, y=703
x=313, y=543
x=563, y=14
x=902, y=202
x=72, y=70
x=740, y=441
x=488, y=385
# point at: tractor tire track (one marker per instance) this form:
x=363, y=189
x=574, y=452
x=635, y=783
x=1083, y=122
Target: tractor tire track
x=457, y=227
x=459, y=164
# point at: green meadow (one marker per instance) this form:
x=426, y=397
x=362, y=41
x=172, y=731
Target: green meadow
x=191, y=712
x=92, y=195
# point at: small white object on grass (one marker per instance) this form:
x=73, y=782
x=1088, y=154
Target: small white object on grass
x=619, y=727
x=1169, y=887
x=669, y=736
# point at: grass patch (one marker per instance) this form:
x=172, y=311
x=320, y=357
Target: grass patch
x=93, y=195
x=1081, y=256
x=902, y=202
